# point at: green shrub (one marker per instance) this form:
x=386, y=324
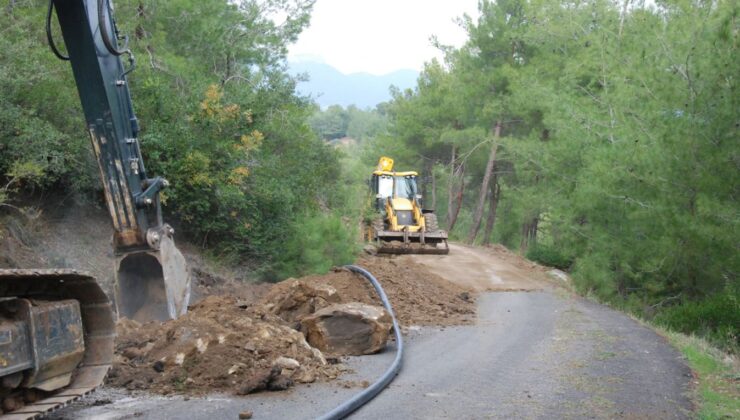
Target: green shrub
x=549, y=256
x=317, y=243
x=716, y=318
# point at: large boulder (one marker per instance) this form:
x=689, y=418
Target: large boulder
x=348, y=329
x=295, y=299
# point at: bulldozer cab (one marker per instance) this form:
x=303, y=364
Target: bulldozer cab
x=395, y=185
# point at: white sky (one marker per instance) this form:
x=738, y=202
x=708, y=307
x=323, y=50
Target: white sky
x=380, y=36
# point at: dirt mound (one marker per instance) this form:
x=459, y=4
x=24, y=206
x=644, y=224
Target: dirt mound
x=418, y=296
x=233, y=344
x=217, y=346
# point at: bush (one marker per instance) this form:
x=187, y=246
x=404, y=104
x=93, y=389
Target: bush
x=318, y=242
x=716, y=318
x=549, y=256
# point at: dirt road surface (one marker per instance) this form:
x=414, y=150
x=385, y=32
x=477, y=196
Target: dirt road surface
x=536, y=351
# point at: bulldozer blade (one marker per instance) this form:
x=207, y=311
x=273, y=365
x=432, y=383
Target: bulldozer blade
x=389, y=242
x=153, y=285
x=412, y=248
x=52, y=309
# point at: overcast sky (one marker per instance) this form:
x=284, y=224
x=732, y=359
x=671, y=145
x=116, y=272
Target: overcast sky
x=380, y=36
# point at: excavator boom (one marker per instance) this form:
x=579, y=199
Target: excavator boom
x=152, y=281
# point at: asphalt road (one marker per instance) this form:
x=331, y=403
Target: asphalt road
x=541, y=353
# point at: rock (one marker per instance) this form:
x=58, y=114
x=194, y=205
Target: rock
x=305, y=377
x=287, y=363
x=280, y=383
x=370, y=249
x=236, y=368
x=246, y=414
x=258, y=381
x=158, y=366
x=348, y=329
x=269, y=378
x=137, y=352
x=301, y=299
x=560, y=275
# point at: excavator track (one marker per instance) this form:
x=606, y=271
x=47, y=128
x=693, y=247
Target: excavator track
x=57, y=330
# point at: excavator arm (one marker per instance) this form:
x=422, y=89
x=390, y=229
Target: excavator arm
x=152, y=280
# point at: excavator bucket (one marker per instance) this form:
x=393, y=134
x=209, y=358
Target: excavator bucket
x=57, y=331
x=404, y=242
x=153, y=285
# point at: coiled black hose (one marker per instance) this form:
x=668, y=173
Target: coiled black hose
x=347, y=407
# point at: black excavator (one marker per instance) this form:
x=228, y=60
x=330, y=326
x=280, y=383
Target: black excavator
x=57, y=326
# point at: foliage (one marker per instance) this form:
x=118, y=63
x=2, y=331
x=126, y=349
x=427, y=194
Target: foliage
x=336, y=122
x=322, y=241
x=549, y=256
x=618, y=155
x=717, y=318
x=220, y=120
x=330, y=124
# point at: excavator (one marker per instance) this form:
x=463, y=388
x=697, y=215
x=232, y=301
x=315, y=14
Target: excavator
x=401, y=225
x=57, y=326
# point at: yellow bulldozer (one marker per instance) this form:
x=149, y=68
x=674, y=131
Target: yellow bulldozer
x=400, y=224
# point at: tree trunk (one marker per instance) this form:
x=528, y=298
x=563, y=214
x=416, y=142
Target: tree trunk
x=478, y=215
x=459, y=199
x=424, y=180
x=450, y=188
x=434, y=190
x=492, y=207
x=529, y=234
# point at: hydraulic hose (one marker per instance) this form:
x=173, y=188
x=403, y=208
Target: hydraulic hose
x=50, y=36
x=360, y=399
x=104, y=6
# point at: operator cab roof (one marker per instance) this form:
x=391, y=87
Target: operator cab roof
x=391, y=173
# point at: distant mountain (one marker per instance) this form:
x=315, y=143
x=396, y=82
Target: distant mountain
x=328, y=86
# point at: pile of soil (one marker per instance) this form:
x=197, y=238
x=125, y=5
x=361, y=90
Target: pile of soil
x=418, y=296
x=248, y=340
x=217, y=346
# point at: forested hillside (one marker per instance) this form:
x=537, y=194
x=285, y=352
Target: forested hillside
x=336, y=122
x=220, y=120
x=599, y=137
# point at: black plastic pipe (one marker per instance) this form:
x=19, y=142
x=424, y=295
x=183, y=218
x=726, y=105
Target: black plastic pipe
x=360, y=399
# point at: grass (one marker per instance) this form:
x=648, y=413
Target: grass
x=717, y=391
